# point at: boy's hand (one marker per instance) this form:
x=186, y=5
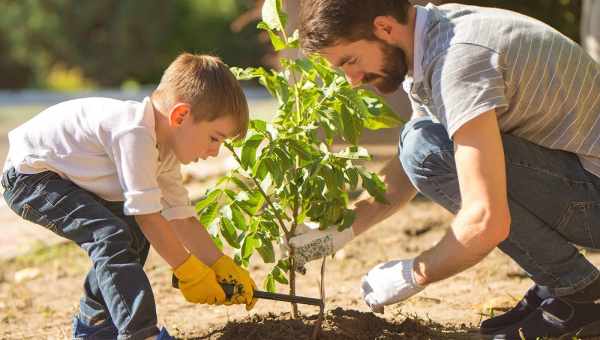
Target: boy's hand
x=198, y=283
x=229, y=272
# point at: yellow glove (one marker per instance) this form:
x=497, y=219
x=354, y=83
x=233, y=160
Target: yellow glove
x=229, y=272
x=198, y=283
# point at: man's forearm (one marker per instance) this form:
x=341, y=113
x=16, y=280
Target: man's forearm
x=197, y=240
x=399, y=192
x=472, y=237
x=163, y=239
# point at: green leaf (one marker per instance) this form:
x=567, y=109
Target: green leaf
x=209, y=214
x=266, y=250
x=258, y=125
x=272, y=15
x=279, y=276
x=240, y=183
x=248, y=245
x=333, y=182
x=250, y=202
x=381, y=115
x=207, y=200
x=229, y=233
x=354, y=152
x=349, y=129
x=352, y=175
x=249, y=150
x=276, y=41
x=348, y=219
x=238, y=218
x=269, y=283
x=374, y=186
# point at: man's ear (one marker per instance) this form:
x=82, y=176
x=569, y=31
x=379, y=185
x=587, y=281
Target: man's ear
x=178, y=113
x=383, y=27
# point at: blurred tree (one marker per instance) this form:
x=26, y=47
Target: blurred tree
x=114, y=41
x=111, y=41
x=15, y=74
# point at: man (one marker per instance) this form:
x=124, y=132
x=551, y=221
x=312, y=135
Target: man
x=505, y=134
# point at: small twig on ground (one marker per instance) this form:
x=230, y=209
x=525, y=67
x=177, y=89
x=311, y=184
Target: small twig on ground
x=319, y=323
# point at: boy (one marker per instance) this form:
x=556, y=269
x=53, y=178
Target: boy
x=106, y=174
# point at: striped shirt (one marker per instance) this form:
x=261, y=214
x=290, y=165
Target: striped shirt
x=543, y=86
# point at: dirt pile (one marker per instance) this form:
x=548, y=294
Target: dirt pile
x=338, y=324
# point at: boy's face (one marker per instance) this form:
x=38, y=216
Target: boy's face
x=192, y=140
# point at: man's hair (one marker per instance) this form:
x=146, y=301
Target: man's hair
x=208, y=86
x=324, y=23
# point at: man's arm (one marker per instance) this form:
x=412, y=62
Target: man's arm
x=484, y=219
x=399, y=192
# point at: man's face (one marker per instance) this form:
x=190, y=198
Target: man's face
x=371, y=62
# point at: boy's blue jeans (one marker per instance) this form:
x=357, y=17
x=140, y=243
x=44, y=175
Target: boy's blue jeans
x=554, y=202
x=118, y=301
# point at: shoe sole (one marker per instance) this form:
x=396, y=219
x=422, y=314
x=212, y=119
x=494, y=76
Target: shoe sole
x=588, y=331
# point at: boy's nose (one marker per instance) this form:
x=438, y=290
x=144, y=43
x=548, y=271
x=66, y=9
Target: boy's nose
x=213, y=152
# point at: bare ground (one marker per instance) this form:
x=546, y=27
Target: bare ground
x=41, y=306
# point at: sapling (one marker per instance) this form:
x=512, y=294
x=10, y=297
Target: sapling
x=289, y=171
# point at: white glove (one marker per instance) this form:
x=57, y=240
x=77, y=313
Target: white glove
x=389, y=283
x=310, y=243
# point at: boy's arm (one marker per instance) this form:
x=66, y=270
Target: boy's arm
x=168, y=244
x=196, y=239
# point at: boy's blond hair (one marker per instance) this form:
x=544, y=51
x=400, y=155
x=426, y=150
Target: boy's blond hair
x=207, y=85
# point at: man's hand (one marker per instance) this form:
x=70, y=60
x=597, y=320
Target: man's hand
x=311, y=244
x=198, y=283
x=389, y=283
x=229, y=272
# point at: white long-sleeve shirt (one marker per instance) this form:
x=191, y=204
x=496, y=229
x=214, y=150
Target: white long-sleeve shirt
x=107, y=147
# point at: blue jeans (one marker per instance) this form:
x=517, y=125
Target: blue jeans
x=118, y=301
x=554, y=202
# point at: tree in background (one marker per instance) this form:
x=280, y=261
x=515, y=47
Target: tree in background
x=111, y=41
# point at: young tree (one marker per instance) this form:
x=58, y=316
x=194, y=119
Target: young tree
x=288, y=173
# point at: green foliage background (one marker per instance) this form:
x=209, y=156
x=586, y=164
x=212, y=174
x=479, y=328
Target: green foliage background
x=112, y=41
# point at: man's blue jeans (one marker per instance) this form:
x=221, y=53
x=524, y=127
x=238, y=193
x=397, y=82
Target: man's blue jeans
x=554, y=202
x=117, y=296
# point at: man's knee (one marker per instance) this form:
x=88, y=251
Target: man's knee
x=426, y=152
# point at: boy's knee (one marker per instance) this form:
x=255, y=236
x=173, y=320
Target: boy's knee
x=116, y=244
x=426, y=151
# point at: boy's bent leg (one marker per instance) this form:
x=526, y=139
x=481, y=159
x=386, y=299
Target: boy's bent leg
x=550, y=198
x=75, y=214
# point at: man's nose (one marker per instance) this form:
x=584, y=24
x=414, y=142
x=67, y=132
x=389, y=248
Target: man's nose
x=354, y=76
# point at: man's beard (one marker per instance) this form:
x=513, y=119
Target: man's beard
x=393, y=72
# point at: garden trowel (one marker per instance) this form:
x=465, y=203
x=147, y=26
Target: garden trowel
x=230, y=288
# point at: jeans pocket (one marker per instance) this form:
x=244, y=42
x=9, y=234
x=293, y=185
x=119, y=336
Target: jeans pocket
x=31, y=214
x=580, y=224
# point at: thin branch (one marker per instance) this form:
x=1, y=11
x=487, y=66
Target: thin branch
x=263, y=193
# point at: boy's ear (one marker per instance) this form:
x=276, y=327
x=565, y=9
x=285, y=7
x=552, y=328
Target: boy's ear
x=178, y=113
